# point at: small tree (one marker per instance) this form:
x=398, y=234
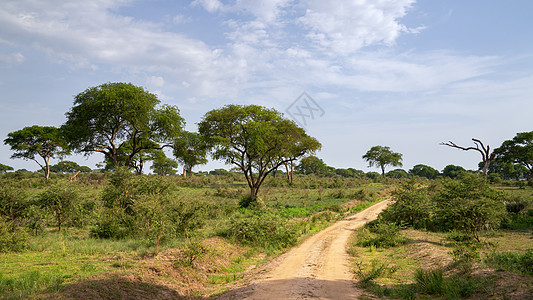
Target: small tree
x=65, y=166
x=452, y=171
x=5, y=168
x=59, y=199
x=469, y=204
x=486, y=155
x=382, y=156
x=162, y=165
x=255, y=139
x=190, y=150
x=43, y=141
x=312, y=165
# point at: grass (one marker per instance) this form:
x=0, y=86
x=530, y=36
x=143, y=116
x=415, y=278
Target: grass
x=55, y=263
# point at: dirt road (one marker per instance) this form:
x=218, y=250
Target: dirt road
x=317, y=269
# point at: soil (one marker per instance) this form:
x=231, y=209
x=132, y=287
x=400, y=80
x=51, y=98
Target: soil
x=318, y=268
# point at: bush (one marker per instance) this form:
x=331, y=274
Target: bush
x=514, y=262
x=11, y=238
x=59, y=199
x=374, y=272
x=411, y=207
x=262, y=229
x=381, y=235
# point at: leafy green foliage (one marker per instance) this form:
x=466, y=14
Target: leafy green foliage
x=59, y=200
x=45, y=142
x=5, y=168
x=468, y=204
x=382, y=156
x=190, y=150
x=255, y=139
x=381, y=235
x=518, y=150
x=452, y=171
x=11, y=238
x=312, y=165
x=412, y=206
x=262, y=229
x=424, y=171
x=121, y=121
x=511, y=261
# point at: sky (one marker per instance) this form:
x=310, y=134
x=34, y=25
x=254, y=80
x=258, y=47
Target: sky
x=400, y=73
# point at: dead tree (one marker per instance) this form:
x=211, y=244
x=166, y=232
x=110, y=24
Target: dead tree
x=487, y=156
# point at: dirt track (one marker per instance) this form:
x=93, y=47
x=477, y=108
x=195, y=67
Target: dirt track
x=318, y=268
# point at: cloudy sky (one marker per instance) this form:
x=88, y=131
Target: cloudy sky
x=402, y=73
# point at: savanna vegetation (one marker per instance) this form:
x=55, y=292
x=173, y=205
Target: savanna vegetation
x=117, y=231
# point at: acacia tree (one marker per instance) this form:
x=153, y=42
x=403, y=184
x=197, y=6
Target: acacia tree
x=5, y=168
x=162, y=165
x=255, y=139
x=519, y=150
x=120, y=119
x=486, y=155
x=190, y=150
x=382, y=156
x=36, y=141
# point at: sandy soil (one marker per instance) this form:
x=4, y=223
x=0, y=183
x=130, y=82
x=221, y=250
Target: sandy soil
x=317, y=269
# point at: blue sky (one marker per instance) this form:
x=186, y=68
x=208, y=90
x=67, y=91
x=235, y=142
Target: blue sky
x=402, y=73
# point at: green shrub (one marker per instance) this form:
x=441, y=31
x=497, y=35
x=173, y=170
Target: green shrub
x=59, y=199
x=411, y=207
x=262, y=229
x=381, y=235
x=11, y=238
x=510, y=261
x=465, y=255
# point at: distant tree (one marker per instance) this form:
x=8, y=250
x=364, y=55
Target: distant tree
x=120, y=119
x=373, y=175
x=162, y=165
x=5, y=168
x=344, y=172
x=43, y=141
x=486, y=155
x=312, y=165
x=190, y=150
x=519, y=150
x=219, y=172
x=398, y=173
x=452, y=171
x=424, y=171
x=382, y=156
x=65, y=166
x=357, y=173
x=255, y=139
x=506, y=170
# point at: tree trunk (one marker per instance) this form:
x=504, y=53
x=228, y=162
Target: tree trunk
x=382, y=170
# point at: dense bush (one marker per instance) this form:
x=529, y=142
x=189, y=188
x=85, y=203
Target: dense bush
x=412, y=206
x=58, y=199
x=11, y=238
x=381, y=235
x=262, y=228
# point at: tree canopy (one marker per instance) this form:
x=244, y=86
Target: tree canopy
x=421, y=170
x=382, y=156
x=36, y=141
x=190, y=150
x=312, y=165
x=452, y=171
x=5, y=168
x=255, y=139
x=519, y=150
x=120, y=120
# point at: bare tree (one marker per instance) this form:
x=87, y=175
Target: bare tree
x=486, y=154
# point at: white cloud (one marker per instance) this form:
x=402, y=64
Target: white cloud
x=155, y=81
x=347, y=26
x=209, y=5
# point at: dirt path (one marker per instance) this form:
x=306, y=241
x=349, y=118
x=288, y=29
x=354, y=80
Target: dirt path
x=318, y=268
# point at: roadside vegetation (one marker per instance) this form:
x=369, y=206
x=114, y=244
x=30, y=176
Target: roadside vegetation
x=156, y=235
x=453, y=238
